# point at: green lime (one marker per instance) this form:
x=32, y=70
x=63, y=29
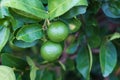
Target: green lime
x=51, y=51
x=57, y=31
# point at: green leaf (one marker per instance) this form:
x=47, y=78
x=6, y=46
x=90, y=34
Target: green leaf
x=79, y=8
x=108, y=58
x=30, y=33
x=44, y=1
x=18, y=21
x=6, y=73
x=114, y=36
x=3, y=11
x=32, y=7
x=4, y=36
x=12, y=61
x=70, y=64
x=30, y=61
x=45, y=75
x=19, y=77
x=94, y=41
x=84, y=61
x=82, y=3
x=33, y=73
x=59, y=7
x=22, y=44
x=19, y=45
x=112, y=11
x=74, y=12
x=62, y=65
x=33, y=70
x=72, y=48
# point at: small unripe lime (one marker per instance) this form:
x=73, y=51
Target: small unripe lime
x=51, y=51
x=57, y=31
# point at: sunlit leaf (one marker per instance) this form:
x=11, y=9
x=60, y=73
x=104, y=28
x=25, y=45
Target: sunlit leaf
x=6, y=73
x=30, y=33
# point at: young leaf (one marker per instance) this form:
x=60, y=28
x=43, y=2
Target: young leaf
x=32, y=7
x=30, y=33
x=30, y=61
x=62, y=65
x=59, y=7
x=4, y=36
x=108, y=58
x=12, y=61
x=33, y=70
x=84, y=61
x=6, y=73
x=114, y=36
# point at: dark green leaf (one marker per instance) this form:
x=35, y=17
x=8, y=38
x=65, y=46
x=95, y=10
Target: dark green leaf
x=18, y=45
x=112, y=11
x=19, y=77
x=70, y=65
x=84, y=61
x=30, y=33
x=72, y=48
x=45, y=75
x=22, y=44
x=4, y=36
x=108, y=58
x=79, y=8
x=12, y=61
x=94, y=41
x=74, y=12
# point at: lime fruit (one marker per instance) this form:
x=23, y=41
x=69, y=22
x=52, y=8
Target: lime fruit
x=51, y=51
x=57, y=31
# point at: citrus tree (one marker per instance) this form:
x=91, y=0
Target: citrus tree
x=59, y=39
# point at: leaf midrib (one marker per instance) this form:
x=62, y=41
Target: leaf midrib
x=19, y=37
x=58, y=7
x=43, y=11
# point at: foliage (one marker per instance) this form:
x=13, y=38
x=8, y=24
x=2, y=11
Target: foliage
x=84, y=38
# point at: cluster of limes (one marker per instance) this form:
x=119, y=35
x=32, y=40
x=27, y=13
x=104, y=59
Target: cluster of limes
x=56, y=32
